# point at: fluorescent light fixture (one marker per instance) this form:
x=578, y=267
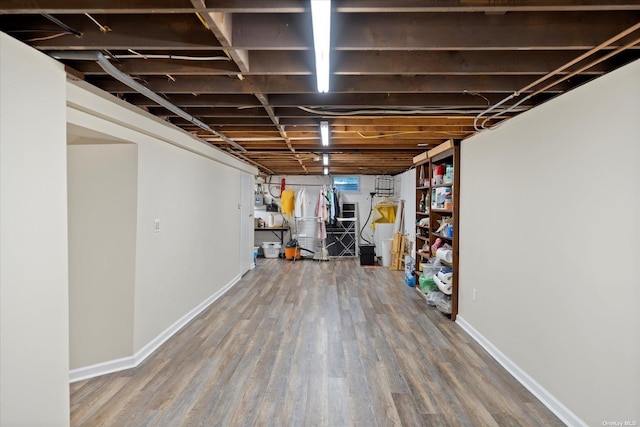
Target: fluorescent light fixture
x=325, y=159
x=324, y=132
x=326, y=170
x=321, y=19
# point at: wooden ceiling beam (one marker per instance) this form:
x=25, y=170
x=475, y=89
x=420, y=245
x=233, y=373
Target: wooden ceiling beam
x=315, y=159
x=391, y=123
x=333, y=154
x=336, y=102
x=398, y=122
x=351, y=124
x=353, y=32
x=197, y=100
x=221, y=25
x=353, y=145
x=338, y=124
x=491, y=6
x=439, y=31
x=342, y=84
x=137, y=32
x=527, y=62
x=479, y=31
x=232, y=112
x=297, y=6
x=366, y=145
x=149, y=6
x=234, y=132
x=162, y=67
x=364, y=101
x=294, y=63
x=224, y=121
x=361, y=63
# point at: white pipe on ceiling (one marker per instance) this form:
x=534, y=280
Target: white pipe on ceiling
x=127, y=80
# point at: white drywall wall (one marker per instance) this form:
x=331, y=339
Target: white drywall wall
x=34, y=321
x=406, y=182
x=102, y=184
x=193, y=190
x=550, y=239
x=197, y=250
x=313, y=186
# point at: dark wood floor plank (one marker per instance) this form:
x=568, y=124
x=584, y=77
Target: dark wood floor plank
x=319, y=344
x=359, y=402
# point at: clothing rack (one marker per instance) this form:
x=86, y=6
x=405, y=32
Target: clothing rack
x=288, y=184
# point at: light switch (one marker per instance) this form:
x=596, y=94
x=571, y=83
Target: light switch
x=156, y=225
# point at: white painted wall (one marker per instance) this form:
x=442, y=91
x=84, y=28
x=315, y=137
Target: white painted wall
x=550, y=238
x=406, y=183
x=102, y=184
x=196, y=252
x=362, y=198
x=34, y=321
x=246, y=223
x=193, y=189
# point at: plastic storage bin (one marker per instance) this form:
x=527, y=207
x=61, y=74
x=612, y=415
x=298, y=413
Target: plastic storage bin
x=271, y=249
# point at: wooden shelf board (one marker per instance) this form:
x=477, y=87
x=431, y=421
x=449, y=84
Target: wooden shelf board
x=439, y=149
x=441, y=236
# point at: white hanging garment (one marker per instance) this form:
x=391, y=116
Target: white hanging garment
x=301, y=203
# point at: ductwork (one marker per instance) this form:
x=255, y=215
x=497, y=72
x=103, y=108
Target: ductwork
x=127, y=80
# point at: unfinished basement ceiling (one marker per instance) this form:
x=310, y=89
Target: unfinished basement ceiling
x=406, y=75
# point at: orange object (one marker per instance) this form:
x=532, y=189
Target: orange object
x=291, y=253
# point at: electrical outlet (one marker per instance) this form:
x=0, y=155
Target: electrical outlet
x=475, y=294
x=156, y=225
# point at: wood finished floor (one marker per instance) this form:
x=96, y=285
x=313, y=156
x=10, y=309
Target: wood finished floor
x=318, y=344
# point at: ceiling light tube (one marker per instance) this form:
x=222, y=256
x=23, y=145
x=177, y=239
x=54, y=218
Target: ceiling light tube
x=324, y=133
x=326, y=170
x=321, y=20
x=325, y=159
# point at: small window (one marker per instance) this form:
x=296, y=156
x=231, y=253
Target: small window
x=346, y=183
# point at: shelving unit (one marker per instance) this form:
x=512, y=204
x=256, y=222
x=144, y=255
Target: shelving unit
x=423, y=202
x=342, y=237
x=441, y=200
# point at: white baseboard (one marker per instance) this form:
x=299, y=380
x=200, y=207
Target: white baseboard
x=103, y=368
x=554, y=405
x=124, y=363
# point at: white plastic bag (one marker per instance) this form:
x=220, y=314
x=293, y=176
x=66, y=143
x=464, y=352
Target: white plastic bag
x=433, y=297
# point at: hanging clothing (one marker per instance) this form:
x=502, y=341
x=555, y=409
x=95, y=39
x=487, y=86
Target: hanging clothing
x=385, y=212
x=288, y=200
x=328, y=201
x=321, y=213
x=302, y=201
x=336, y=205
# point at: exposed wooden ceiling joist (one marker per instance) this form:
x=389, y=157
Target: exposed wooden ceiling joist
x=406, y=75
x=297, y=6
x=342, y=84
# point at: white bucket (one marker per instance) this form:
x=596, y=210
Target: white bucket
x=386, y=252
x=382, y=232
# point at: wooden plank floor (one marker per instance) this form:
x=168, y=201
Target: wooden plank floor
x=318, y=344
